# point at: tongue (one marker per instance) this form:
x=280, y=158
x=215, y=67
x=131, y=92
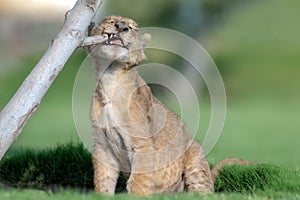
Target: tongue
x=117, y=42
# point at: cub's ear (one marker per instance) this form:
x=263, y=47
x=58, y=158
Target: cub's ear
x=145, y=39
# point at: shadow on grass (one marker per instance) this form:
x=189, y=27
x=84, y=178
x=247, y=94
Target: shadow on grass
x=70, y=166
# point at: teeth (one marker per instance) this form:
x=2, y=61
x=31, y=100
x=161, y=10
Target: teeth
x=110, y=35
x=116, y=41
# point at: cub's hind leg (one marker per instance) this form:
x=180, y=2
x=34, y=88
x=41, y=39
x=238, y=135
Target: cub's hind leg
x=141, y=183
x=197, y=175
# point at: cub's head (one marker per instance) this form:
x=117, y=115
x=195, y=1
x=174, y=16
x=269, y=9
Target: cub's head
x=125, y=43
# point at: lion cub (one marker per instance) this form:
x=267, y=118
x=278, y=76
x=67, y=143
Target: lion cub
x=133, y=131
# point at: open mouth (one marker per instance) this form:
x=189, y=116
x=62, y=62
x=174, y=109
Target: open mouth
x=114, y=39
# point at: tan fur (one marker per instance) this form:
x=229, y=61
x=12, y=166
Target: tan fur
x=133, y=131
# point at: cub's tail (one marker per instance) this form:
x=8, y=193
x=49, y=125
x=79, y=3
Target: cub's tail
x=228, y=161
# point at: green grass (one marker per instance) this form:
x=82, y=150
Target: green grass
x=70, y=166
x=67, y=165
x=253, y=178
x=40, y=195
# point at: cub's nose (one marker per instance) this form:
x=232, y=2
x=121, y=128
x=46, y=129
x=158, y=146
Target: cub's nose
x=121, y=26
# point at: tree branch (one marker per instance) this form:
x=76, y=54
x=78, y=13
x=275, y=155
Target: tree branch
x=28, y=97
x=93, y=40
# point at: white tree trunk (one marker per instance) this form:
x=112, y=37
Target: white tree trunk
x=28, y=97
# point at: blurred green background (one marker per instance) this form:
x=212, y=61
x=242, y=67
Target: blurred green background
x=255, y=45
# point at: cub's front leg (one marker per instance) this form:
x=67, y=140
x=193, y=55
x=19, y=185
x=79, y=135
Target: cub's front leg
x=106, y=171
x=106, y=168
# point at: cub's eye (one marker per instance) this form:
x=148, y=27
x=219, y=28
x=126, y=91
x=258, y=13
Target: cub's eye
x=131, y=27
x=112, y=21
